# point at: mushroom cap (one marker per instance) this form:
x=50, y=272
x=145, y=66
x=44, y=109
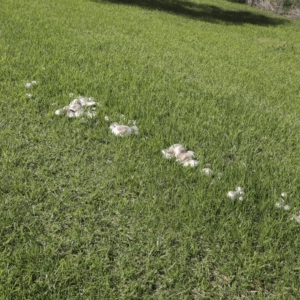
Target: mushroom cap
x=239, y=189
x=135, y=128
x=176, y=146
x=86, y=101
x=168, y=153
x=190, y=163
x=75, y=101
x=75, y=107
x=83, y=101
x=113, y=125
x=179, y=150
x=60, y=112
x=232, y=194
x=121, y=130
x=184, y=155
x=207, y=171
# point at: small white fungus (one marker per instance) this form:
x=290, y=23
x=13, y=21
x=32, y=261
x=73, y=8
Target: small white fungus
x=168, y=153
x=281, y=204
x=182, y=155
x=296, y=217
x=190, y=163
x=239, y=192
x=207, y=171
x=122, y=130
x=232, y=194
x=76, y=108
x=91, y=114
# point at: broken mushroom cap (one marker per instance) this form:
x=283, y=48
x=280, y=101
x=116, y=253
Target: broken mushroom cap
x=113, y=125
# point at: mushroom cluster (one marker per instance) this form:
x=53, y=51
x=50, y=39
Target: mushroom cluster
x=77, y=108
x=238, y=193
x=181, y=154
x=281, y=202
x=122, y=130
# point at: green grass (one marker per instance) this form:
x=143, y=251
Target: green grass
x=88, y=215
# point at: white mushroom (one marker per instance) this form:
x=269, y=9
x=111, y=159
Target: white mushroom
x=178, y=148
x=61, y=111
x=168, y=153
x=238, y=193
x=183, y=155
x=283, y=194
x=76, y=108
x=122, y=130
x=232, y=194
x=207, y=171
x=86, y=101
x=190, y=163
x=296, y=217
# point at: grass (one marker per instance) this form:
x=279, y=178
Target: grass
x=87, y=215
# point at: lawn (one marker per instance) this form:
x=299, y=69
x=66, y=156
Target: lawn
x=86, y=214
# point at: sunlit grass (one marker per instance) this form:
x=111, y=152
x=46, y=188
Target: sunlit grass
x=86, y=214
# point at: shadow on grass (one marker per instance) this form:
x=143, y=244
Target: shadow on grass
x=238, y=1
x=204, y=12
